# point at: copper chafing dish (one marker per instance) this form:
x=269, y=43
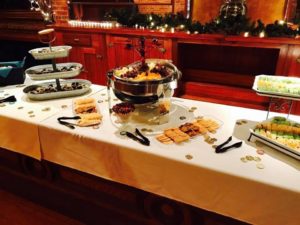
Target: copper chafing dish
x=144, y=91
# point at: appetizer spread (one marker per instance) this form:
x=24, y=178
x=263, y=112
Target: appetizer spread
x=123, y=111
x=282, y=131
x=50, y=88
x=49, y=69
x=88, y=112
x=146, y=72
x=49, y=53
x=200, y=126
x=278, y=84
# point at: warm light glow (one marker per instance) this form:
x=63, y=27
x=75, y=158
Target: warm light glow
x=246, y=34
x=182, y=26
x=172, y=30
x=262, y=34
x=44, y=7
x=90, y=24
x=188, y=32
x=162, y=30
x=281, y=22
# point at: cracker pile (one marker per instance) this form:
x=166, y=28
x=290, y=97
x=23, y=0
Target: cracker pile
x=184, y=132
x=87, y=110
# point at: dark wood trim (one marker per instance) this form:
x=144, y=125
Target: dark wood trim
x=20, y=14
x=290, y=9
x=121, y=3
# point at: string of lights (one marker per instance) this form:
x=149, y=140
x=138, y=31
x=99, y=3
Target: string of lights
x=44, y=7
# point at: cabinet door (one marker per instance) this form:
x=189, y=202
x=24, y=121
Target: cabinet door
x=119, y=51
x=122, y=50
x=87, y=49
x=162, y=51
x=293, y=61
x=293, y=69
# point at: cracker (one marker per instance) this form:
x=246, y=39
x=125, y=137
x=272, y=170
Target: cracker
x=164, y=139
x=176, y=135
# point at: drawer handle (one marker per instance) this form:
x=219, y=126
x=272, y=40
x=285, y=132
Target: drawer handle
x=76, y=39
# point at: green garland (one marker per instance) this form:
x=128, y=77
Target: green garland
x=234, y=25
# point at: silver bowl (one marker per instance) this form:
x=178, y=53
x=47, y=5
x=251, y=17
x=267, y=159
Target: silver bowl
x=140, y=92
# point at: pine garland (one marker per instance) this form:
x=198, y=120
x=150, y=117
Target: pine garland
x=232, y=25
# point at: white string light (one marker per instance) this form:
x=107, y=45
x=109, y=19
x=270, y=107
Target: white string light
x=44, y=7
x=91, y=24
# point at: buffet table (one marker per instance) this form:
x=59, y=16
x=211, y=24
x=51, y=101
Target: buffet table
x=190, y=172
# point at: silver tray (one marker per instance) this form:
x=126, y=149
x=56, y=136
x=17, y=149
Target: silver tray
x=277, y=94
x=144, y=91
x=274, y=144
x=31, y=72
x=58, y=94
x=55, y=52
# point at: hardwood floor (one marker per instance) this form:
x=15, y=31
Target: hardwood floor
x=15, y=210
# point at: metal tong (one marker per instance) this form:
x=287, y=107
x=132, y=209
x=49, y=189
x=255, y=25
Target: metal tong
x=221, y=149
x=138, y=136
x=67, y=124
x=8, y=99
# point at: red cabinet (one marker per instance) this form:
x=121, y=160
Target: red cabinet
x=121, y=50
x=89, y=50
x=215, y=67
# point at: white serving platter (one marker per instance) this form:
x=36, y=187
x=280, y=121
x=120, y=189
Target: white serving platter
x=275, y=93
x=54, y=52
x=34, y=72
x=58, y=94
x=274, y=144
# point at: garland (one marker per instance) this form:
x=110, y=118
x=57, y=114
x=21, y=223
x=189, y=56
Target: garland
x=233, y=25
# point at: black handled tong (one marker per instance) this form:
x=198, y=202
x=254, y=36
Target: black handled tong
x=138, y=136
x=67, y=124
x=8, y=99
x=221, y=148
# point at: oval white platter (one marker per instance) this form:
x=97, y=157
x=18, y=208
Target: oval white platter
x=58, y=94
x=275, y=93
x=54, y=52
x=35, y=72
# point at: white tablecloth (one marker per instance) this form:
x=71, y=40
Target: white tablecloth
x=215, y=182
x=19, y=121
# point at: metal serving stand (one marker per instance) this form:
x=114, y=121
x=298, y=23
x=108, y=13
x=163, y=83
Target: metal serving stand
x=75, y=87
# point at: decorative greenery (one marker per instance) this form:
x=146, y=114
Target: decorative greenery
x=232, y=25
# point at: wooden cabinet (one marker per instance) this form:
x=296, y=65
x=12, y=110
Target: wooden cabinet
x=121, y=50
x=89, y=50
x=215, y=67
x=216, y=70
x=293, y=61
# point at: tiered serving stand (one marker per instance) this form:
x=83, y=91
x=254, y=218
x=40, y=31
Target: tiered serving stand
x=280, y=101
x=57, y=71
